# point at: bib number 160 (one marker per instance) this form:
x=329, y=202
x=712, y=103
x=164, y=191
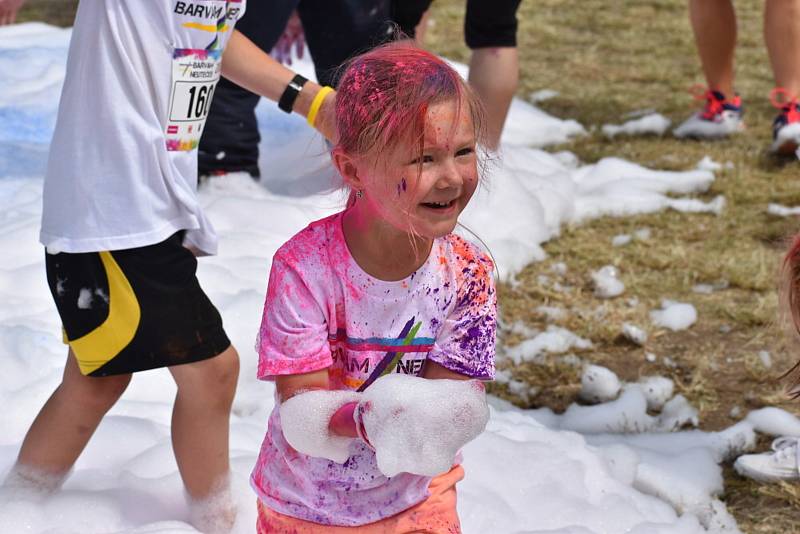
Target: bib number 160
x=203, y=100
x=192, y=101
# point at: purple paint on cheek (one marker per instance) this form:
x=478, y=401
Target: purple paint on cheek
x=404, y=184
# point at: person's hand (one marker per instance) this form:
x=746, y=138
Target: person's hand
x=8, y=11
x=292, y=36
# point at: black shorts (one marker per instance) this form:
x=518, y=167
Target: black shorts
x=135, y=309
x=488, y=23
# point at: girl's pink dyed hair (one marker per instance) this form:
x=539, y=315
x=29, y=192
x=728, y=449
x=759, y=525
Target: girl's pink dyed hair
x=790, y=306
x=384, y=95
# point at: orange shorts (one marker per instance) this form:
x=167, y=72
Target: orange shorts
x=435, y=515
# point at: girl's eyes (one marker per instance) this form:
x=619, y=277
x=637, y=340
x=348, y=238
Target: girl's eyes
x=425, y=159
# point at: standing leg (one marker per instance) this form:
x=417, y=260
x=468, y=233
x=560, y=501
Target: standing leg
x=490, y=30
x=200, y=428
x=64, y=425
x=782, y=35
x=494, y=74
x=714, y=26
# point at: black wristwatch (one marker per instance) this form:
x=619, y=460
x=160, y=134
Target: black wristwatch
x=286, y=102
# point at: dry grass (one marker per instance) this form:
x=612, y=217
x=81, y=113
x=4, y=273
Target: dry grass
x=58, y=12
x=608, y=58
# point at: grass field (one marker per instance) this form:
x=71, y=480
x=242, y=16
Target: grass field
x=608, y=58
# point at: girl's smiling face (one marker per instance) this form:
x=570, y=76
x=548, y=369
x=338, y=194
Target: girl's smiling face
x=423, y=193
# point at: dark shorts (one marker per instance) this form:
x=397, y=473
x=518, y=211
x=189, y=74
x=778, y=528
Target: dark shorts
x=488, y=23
x=136, y=309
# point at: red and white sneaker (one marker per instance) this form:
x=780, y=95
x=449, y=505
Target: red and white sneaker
x=786, y=127
x=720, y=117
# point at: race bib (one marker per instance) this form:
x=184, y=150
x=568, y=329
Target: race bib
x=194, y=76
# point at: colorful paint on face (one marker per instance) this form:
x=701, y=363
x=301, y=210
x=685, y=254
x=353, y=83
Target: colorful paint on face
x=429, y=193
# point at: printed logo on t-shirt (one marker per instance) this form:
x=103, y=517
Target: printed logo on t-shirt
x=209, y=10
x=345, y=351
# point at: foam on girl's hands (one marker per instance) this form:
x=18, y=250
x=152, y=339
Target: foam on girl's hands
x=417, y=425
x=306, y=417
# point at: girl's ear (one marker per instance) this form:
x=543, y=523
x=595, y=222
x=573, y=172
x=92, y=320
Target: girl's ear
x=348, y=168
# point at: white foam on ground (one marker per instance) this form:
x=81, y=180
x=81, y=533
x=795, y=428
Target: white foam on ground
x=674, y=315
x=521, y=474
x=653, y=123
x=599, y=384
x=607, y=283
x=783, y=211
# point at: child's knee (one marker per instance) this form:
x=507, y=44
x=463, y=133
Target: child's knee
x=213, y=380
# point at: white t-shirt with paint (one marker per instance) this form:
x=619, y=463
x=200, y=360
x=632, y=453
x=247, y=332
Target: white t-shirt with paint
x=122, y=171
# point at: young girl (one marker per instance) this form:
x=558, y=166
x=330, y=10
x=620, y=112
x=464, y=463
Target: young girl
x=381, y=288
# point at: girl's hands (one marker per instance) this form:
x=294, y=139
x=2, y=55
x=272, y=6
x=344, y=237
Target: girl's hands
x=343, y=422
x=417, y=425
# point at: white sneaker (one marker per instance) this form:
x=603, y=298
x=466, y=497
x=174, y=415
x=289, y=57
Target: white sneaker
x=780, y=464
x=719, y=118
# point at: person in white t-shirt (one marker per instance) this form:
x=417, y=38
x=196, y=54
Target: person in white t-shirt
x=121, y=221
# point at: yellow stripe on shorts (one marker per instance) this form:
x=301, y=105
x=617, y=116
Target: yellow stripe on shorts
x=102, y=344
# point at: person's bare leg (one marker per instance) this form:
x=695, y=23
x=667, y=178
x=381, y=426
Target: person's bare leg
x=421, y=29
x=200, y=428
x=64, y=425
x=714, y=26
x=782, y=35
x=494, y=74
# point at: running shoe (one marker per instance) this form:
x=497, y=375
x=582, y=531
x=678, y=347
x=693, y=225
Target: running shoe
x=719, y=118
x=780, y=464
x=786, y=127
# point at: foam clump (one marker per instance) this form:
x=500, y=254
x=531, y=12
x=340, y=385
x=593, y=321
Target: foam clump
x=417, y=425
x=657, y=390
x=599, y=384
x=555, y=340
x=774, y=422
x=305, y=419
x=215, y=513
x=607, y=283
x=633, y=333
x=654, y=123
x=674, y=315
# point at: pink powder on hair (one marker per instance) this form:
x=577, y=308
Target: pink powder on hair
x=384, y=95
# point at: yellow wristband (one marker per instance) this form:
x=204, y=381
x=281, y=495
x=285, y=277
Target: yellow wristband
x=316, y=104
